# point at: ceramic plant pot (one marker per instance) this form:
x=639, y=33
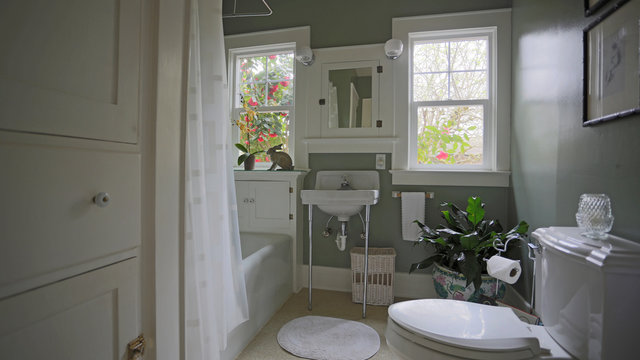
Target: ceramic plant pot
x=250, y=162
x=450, y=284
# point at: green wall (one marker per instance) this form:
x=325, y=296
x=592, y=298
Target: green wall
x=340, y=22
x=553, y=158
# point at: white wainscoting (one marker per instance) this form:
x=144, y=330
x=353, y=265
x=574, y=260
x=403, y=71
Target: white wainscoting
x=413, y=286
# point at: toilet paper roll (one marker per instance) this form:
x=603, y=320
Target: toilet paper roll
x=504, y=269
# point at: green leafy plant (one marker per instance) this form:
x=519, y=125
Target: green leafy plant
x=466, y=240
x=266, y=85
x=246, y=126
x=445, y=135
x=245, y=153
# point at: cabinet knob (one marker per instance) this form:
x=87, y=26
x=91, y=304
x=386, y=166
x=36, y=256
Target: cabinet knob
x=251, y=201
x=102, y=199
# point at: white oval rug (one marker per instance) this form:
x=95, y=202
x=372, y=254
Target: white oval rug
x=325, y=338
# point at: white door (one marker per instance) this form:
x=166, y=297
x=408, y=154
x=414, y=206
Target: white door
x=69, y=129
x=90, y=316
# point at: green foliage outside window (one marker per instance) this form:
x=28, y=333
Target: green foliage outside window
x=266, y=85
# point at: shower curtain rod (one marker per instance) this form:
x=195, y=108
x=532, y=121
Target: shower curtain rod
x=236, y=15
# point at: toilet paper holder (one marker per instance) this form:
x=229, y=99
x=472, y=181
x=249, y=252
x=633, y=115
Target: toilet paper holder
x=532, y=248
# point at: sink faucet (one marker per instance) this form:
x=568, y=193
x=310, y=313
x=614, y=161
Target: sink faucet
x=345, y=184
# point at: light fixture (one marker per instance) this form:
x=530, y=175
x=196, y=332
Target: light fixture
x=393, y=48
x=305, y=56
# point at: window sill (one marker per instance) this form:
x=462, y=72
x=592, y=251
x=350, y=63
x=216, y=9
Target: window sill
x=450, y=178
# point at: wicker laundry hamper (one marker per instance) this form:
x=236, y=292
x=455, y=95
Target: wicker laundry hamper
x=382, y=262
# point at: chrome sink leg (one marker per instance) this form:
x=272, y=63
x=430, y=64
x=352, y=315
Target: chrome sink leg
x=310, y=250
x=366, y=260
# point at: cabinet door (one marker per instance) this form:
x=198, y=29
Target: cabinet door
x=263, y=205
x=90, y=316
x=70, y=68
x=271, y=208
x=48, y=221
x=242, y=198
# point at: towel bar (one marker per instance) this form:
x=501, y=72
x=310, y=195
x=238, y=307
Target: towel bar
x=427, y=195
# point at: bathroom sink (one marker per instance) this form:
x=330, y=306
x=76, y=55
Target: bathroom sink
x=343, y=193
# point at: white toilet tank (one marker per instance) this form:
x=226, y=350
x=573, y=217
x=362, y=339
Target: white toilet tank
x=588, y=293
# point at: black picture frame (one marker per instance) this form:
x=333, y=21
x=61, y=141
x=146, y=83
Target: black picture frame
x=611, y=88
x=592, y=6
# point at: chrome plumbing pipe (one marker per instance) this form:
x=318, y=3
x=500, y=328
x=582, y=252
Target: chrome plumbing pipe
x=310, y=251
x=366, y=260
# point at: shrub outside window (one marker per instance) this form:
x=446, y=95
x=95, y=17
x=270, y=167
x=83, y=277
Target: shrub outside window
x=264, y=83
x=451, y=87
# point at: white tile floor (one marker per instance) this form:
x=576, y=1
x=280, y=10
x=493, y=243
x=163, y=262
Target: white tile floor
x=325, y=303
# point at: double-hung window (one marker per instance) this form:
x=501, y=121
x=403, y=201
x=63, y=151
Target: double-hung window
x=263, y=98
x=453, y=97
x=452, y=87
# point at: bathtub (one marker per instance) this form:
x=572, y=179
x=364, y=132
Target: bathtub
x=269, y=280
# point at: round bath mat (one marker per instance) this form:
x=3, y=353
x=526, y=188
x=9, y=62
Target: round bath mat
x=326, y=338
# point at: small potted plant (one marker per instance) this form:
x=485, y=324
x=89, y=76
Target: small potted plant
x=246, y=125
x=460, y=249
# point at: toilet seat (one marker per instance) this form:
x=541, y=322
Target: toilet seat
x=451, y=329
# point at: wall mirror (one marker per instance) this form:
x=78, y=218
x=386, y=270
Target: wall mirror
x=349, y=101
x=350, y=97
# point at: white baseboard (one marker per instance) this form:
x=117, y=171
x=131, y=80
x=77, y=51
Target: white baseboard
x=412, y=286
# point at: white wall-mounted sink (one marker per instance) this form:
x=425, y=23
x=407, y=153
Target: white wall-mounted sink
x=343, y=193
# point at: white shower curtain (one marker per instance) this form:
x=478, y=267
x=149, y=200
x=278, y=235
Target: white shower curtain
x=215, y=295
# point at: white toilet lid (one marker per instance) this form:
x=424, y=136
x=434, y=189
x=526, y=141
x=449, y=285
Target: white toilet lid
x=465, y=325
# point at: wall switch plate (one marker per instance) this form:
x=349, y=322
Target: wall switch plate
x=381, y=161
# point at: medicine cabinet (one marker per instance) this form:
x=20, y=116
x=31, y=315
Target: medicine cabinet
x=352, y=91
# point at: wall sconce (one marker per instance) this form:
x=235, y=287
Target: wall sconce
x=393, y=48
x=305, y=56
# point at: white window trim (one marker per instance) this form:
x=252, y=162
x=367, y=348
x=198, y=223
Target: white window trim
x=496, y=172
x=270, y=41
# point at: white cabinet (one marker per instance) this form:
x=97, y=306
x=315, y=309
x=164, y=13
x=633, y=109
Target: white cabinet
x=264, y=204
x=269, y=202
x=71, y=92
x=71, y=68
x=48, y=221
x=345, y=78
x=90, y=316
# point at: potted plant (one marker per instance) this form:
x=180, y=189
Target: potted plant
x=246, y=125
x=461, y=248
x=261, y=130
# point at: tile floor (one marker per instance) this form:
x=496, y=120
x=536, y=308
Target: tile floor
x=325, y=303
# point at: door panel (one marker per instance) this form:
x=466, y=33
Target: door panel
x=70, y=68
x=90, y=316
x=271, y=208
x=47, y=218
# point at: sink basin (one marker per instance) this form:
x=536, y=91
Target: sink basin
x=363, y=189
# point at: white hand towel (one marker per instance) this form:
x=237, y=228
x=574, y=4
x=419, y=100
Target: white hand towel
x=412, y=209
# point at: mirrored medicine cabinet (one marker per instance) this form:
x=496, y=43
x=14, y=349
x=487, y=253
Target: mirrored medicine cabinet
x=355, y=96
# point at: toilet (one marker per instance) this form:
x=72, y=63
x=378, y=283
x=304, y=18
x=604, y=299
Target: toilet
x=587, y=296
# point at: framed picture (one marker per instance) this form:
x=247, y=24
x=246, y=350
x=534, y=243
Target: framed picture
x=611, y=64
x=591, y=6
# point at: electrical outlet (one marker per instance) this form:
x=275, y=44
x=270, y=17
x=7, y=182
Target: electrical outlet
x=381, y=161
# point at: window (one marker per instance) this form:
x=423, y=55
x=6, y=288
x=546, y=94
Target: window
x=453, y=97
x=451, y=87
x=263, y=99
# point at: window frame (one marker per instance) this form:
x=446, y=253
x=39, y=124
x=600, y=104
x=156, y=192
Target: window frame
x=498, y=174
x=235, y=106
x=489, y=122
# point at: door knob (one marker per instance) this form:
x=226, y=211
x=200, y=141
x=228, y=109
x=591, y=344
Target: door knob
x=102, y=199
